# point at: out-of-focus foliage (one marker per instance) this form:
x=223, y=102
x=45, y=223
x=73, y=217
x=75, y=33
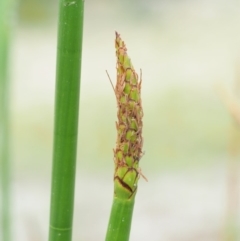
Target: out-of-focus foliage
x=35, y=11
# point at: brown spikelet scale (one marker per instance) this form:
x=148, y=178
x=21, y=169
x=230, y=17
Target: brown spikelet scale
x=129, y=143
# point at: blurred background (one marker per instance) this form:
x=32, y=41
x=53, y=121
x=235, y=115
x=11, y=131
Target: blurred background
x=186, y=50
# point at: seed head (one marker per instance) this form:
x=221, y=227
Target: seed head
x=129, y=143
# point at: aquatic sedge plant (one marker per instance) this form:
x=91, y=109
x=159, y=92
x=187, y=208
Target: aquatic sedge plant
x=129, y=144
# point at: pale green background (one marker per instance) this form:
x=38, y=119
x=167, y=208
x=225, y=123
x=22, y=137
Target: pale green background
x=185, y=49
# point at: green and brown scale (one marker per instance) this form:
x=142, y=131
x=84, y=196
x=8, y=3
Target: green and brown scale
x=129, y=125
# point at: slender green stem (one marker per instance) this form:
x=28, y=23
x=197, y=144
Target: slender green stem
x=4, y=118
x=120, y=220
x=70, y=31
x=128, y=149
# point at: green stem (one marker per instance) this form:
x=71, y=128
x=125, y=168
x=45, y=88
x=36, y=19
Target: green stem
x=120, y=220
x=70, y=31
x=4, y=118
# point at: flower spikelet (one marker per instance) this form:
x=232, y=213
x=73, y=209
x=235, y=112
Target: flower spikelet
x=129, y=143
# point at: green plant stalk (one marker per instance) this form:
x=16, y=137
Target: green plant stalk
x=128, y=149
x=69, y=51
x=4, y=119
x=4, y=139
x=120, y=219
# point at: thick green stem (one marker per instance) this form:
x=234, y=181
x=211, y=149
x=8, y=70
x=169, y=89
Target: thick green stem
x=120, y=220
x=70, y=31
x=4, y=118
